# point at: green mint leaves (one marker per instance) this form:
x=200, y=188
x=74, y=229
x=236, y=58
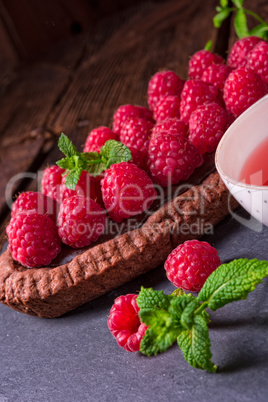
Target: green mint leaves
x=233, y=281
x=183, y=317
x=240, y=19
x=92, y=162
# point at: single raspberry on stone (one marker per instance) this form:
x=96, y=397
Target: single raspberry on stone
x=51, y=181
x=126, y=191
x=33, y=239
x=168, y=107
x=81, y=221
x=125, y=324
x=216, y=74
x=171, y=126
x=189, y=265
x=196, y=93
x=124, y=112
x=140, y=159
x=242, y=88
x=172, y=159
x=97, y=138
x=88, y=186
x=136, y=133
x=257, y=60
x=207, y=125
x=200, y=61
x=240, y=50
x=32, y=201
x=163, y=83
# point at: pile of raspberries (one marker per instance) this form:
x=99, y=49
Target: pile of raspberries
x=184, y=120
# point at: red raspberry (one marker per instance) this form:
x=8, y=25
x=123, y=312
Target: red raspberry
x=167, y=108
x=216, y=74
x=140, y=159
x=257, y=60
x=81, y=221
x=88, y=186
x=125, y=324
x=97, y=138
x=32, y=201
x=240, y=50
x=126, y=111
x=189, y=265
x=207, y=125
x=200, y=61
x=242, y=88
x=136, y=133
x=51, y=181
x=196, y=93
x=126, y=191
x=163, y=83
x=170, y=126
x=172, y=159
x=33, y=239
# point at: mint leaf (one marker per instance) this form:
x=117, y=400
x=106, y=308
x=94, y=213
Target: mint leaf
x=72, y=178
x=166, y=316
x=149, y=298
x=224, y=3
x=240, y=23
x=238, y=3
x=221, y=16
x=162, y=332
x=66, y=146
x=195, y=345
x=114, y=152
x=92, y=162
x=260, y=30
x=208, y=45
x=233, y=281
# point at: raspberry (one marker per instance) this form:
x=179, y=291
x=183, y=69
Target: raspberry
x=163, y=83
x=126, y=191
x=88, y=186
x=196, y=93
x=32, y=201
x=140, y=159
x=242, y=88
x=170, y=126
x=81, y=221
x=124, y=323
x=168, y=107
x=240, y=50
x=207, y=125
x=257, y=60
x=216, y=74
x=200, y=61
x=33, y=239
x=97, y=138
x=124, y=112
x=172, y=158
x=51, y=181
x=189, y=265
x=136, y=133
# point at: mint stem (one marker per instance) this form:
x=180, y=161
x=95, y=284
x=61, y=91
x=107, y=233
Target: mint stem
x=255, y=16
x=202, y=307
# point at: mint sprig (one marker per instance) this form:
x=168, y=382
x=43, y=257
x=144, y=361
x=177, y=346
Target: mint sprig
x=92, y=162
x=240, y=19
x=184, y=318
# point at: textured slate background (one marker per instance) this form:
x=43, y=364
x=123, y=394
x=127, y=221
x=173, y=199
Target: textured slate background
x=74, y=358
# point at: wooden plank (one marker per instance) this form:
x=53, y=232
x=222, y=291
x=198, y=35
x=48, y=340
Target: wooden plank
x=24, y=138
x=120, y=74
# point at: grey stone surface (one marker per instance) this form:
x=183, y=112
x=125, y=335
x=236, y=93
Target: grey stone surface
x=75, y=358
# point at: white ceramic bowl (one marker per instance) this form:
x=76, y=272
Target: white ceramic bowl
x=248, y=131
